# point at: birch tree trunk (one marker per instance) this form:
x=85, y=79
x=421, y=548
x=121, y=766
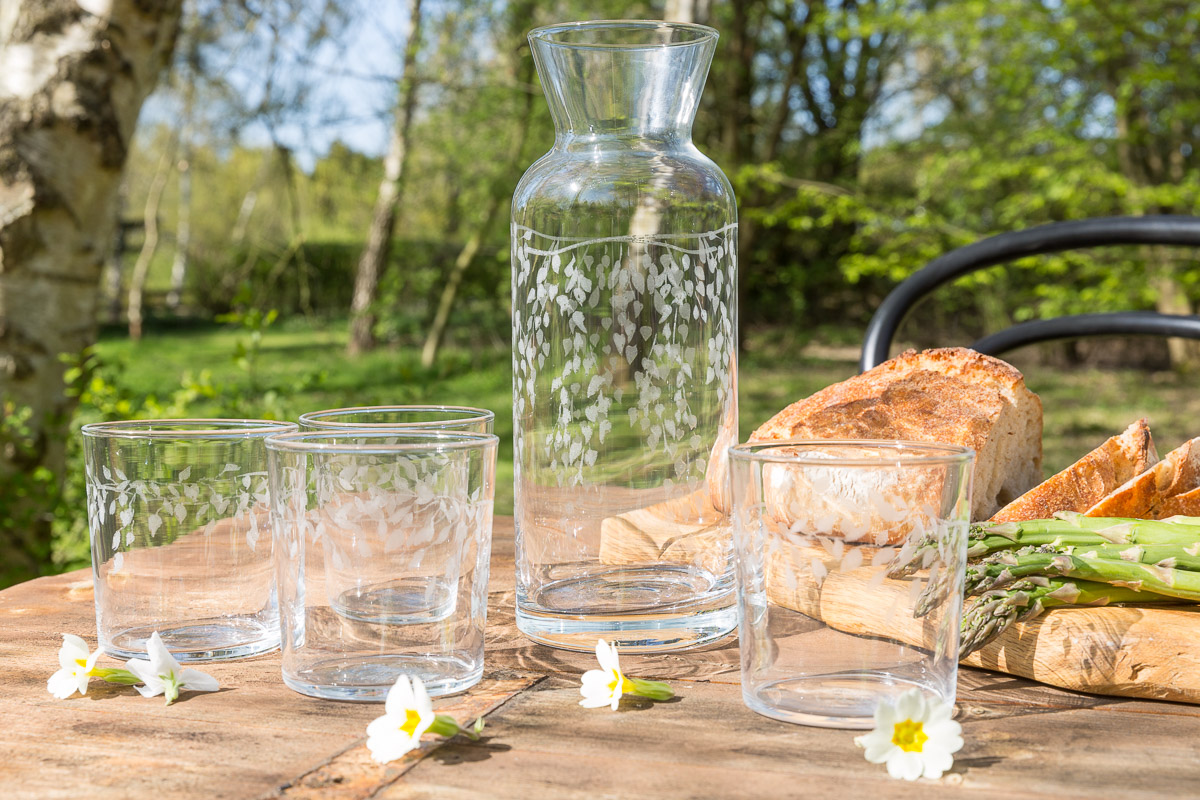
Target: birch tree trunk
x=383, y=221
x=141, y=268
x=183, y=227
x=73, y=76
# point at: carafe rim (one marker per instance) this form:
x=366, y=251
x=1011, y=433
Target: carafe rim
x=546, y=34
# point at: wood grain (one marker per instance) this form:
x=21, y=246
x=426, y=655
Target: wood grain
x=255, y=738
x=1125, y=651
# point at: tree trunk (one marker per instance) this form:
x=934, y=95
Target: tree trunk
x=141, y=268
x=72, y=82
x=183, y=228
x=383, y=221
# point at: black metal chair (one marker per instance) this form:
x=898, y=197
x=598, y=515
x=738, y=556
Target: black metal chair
x=1052, y=238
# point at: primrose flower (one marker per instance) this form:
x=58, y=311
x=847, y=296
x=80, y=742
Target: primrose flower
x=77, y=667
x=915, y=737
x=605, y=686
x=163, y=675
x=408, y=713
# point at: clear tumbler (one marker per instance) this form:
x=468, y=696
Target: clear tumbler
x=382, y=540
x=178, y=515
x=624, y=272
x=425, y=417
x=851, y=562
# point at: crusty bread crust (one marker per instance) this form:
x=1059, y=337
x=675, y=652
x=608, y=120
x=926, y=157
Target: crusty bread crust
x=1145, y=496
x=951, y=395
x=1186, y=504
x=1090, y=479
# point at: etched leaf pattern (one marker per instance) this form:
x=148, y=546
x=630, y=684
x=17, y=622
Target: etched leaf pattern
x=364, y=506
x=119, y=504
x=612, y=326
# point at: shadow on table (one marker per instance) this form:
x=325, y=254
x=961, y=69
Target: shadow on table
x=467, y=752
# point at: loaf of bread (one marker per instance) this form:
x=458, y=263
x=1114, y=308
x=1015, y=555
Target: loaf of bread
x=1164, y=490
x=1089, y=480
x=950, y=395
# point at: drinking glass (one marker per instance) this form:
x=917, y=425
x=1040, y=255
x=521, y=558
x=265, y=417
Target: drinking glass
x=851, y=564
x=178, y=516
x=382, y=540
x=624, y=274
x=425, y=417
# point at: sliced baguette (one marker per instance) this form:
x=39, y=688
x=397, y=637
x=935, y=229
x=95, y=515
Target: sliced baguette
x=1089, y=480
x=1159, y=491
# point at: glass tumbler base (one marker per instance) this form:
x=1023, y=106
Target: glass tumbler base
x=842, y=700
x=216, y=639
x=367, y=679
x=632, y=633
x=404, y=601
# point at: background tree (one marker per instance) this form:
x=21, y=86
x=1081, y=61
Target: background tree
x=383, y=222
x=74, y=76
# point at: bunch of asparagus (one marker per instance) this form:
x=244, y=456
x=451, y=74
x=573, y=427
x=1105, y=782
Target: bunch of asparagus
x=1019, y=569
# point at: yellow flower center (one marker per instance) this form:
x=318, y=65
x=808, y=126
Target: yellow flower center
x=909, y=736
x=81, y=662
x=411, y=720
x=617, y=680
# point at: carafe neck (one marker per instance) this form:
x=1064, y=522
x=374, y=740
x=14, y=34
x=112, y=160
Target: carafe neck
x=623, y=79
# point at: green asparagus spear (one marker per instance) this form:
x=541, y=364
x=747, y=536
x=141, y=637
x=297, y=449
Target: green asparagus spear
x=1164, y=580
x=1025, y=599
x=1080, y=531
x=1066, y=529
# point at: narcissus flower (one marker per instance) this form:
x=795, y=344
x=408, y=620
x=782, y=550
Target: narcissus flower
x=163, y=675
x=605, y=686
x=915, y=737
x=77, y=667
x=408, y=715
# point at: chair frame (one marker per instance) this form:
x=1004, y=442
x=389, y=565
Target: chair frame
x=1166, y=229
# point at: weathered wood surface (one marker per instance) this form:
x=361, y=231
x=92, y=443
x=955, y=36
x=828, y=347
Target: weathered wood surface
x=1130, y=651
x=256, y=738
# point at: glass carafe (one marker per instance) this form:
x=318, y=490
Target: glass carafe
x=624, y=270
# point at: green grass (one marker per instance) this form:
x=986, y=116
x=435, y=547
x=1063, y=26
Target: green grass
x=301, y=366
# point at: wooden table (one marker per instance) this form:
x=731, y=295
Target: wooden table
x=256, y=738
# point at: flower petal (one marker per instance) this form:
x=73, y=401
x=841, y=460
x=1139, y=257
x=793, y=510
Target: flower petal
x=421, y=703
x=160, y=656
x=880, y=752
x=151, y=689
x=143, y=670
x=73, y=648
x=594, y=702
x=380, y=726
x=904, y=765
x=936, y=761
x=196, y=681
x=93, y=658
x=399, y=697
x=62, y=684
x=911, y=705
x=938, y=711
x=387, y=748
x=606, y=654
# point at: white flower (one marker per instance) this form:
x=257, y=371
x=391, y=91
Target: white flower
x=915, y=737
x=163, y=675
x=76, y=667
x=604, y=686
x=408, y=714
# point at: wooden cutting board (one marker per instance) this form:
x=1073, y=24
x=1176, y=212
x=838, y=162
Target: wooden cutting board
x=1129, y=651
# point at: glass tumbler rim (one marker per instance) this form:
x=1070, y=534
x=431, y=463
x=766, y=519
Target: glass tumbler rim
x=187, y=428
x=424, y=441
x=907, y=452
x=549, y=34
x=470, y=415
